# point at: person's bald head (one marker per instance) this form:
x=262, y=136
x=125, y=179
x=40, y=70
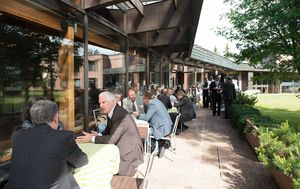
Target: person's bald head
x=131, y=94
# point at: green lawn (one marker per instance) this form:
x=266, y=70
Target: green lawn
x=280, y=107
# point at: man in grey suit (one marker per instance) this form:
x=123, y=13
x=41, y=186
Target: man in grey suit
x=122, y=131
x=42, y=156
x=158, y=117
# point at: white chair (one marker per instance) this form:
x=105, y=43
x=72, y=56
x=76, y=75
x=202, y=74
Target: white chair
x=144, y=134
x=96, y=113
x=172, y=136
x=125, y=182
x=149, y=166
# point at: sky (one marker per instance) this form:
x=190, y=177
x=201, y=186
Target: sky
x=209, y=20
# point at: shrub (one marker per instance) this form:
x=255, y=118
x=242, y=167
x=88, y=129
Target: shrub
x=242, y=98
x=280, y=148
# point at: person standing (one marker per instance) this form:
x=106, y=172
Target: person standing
x=205, y=91
x=215, y=88
x=122, y=131
x=229, y=95
x=42, y=156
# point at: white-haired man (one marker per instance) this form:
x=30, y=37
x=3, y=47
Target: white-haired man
x=122, y=131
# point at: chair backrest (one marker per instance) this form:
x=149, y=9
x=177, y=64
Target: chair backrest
x=149, y=166
x=95, y=114
x=175, y=126
x=143, y=131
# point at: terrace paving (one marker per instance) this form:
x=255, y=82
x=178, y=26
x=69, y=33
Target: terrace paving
x=209, y=155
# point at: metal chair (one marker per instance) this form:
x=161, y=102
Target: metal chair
x=95, y=114
x=144, y=134
x=172, y=136
x=125, y=182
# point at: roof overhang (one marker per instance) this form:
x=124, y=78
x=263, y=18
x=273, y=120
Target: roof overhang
x=167, y=26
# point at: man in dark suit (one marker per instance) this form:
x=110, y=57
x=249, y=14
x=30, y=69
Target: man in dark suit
x=42, y=156
x=186, y=107
x=215, y=88
x=229, y=94
x=165, y=99
x=205, y=92
x=122, y=131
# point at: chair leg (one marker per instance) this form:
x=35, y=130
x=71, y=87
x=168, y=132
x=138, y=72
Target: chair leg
x=173, y=144
x=181, y=126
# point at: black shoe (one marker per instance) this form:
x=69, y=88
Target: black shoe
x=214, y=114
x=185, y=127
x=161, y=151
x=167, y=144
x=224, y=117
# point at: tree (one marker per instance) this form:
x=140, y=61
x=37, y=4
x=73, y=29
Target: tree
x=226, y=51
x=215, y=49
x=267, y=32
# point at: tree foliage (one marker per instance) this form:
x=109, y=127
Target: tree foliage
x=267, y=32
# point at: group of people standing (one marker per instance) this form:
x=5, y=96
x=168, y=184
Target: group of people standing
x=216, y=91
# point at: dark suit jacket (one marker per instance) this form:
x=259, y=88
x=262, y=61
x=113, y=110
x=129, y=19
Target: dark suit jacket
x=122, y=131
x=215, y=90
x=229, y=91
x=186, y=109
x=165, y=100
x=44, y=158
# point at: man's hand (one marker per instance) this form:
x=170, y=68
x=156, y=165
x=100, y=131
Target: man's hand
x=86, y=138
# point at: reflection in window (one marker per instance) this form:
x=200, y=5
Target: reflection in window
x=92, y=66
x=29, y=68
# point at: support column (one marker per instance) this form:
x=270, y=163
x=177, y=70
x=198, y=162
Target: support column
x=66, y=66
x=250, y=82
x=240, y=83
x=86, y=73
x=195, y=74
x=126, y=87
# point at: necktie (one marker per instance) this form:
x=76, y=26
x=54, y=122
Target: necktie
x=133, y=107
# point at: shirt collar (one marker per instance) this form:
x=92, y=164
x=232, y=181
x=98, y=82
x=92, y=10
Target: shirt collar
x=110, y=114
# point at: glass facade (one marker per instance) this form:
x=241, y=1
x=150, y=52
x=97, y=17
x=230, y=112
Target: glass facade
x=33, y=64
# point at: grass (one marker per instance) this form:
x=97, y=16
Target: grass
x=14, y=103
x=280, y=107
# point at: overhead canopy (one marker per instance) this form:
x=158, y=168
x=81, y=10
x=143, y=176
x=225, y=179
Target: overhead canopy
x=167, y=26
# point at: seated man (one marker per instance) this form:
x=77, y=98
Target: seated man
x=132, y=104
x=42, y=156
x=122, y=131
x=158, y=117
x=186, y=107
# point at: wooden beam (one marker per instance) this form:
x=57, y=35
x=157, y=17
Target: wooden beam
x=159, y=16
x=95, y=4
x=66, y=76
x=29, y=12
x=169, y=37
x=138, y=5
